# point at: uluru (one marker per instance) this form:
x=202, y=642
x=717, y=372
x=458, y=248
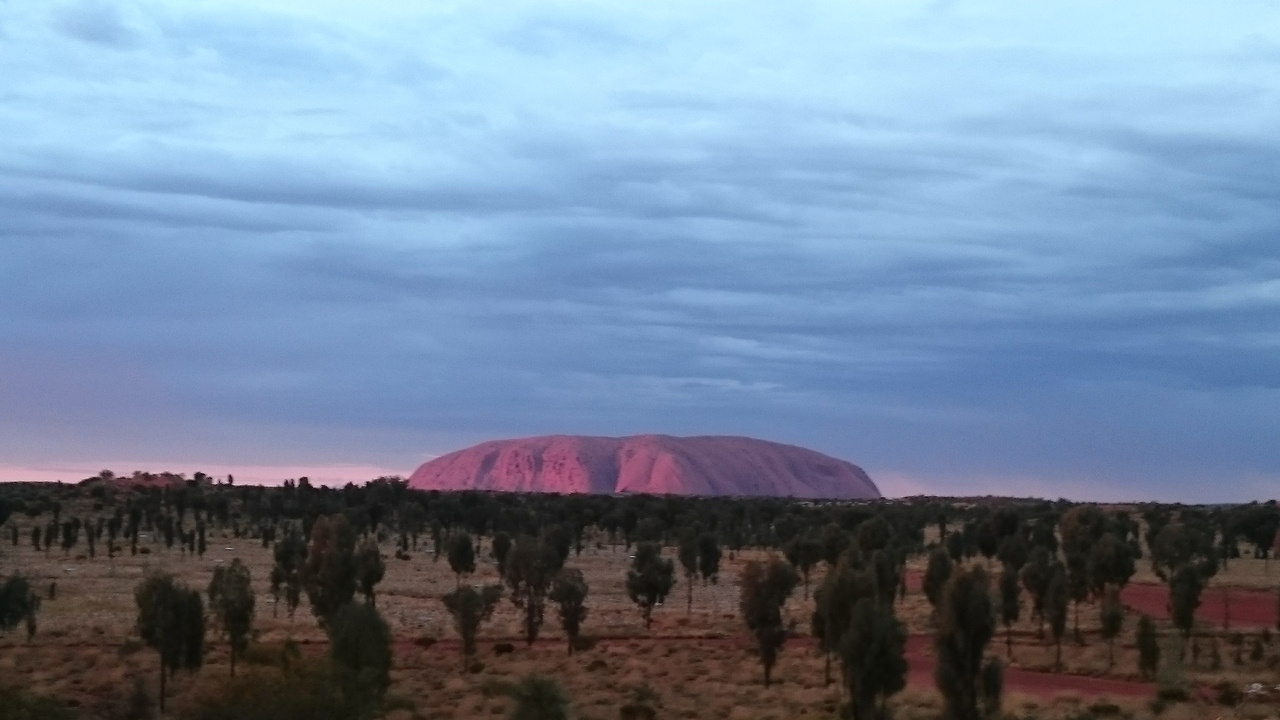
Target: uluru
x=649, y=464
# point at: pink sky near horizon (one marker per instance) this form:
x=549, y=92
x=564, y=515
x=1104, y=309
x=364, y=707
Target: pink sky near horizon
x=333, y=474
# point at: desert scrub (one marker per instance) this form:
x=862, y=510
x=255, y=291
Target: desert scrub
x=21, y=704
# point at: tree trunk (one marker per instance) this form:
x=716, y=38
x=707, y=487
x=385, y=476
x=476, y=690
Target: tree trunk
x=826, y=669
x=1111, y=653
x=689, y=606
x=1008, y=640
x=233, y=661
x=1079, y=637
x=1057, y=660
x=528, y=619
x=162, y=685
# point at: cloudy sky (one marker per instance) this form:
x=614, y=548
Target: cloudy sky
x=1025, y=248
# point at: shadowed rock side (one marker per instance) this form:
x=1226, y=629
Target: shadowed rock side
x=657, y=464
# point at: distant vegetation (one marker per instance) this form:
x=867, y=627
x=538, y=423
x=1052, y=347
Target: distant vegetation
x=983, y=558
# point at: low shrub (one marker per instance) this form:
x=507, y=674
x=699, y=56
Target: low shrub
x=281, y=655
x=1173, y=694
x=1228, y=694
x=310, y=690
x=395, y=702
x=1104, y=709
x=131, y=646
x=20, y=704
x=642, y=705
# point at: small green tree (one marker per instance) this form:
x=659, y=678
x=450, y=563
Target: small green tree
x=649, y=579
x=18, y=603
x=501, y=546
x=286, y=575
x=873, y=660
x=231, y=599
x=437, y=539
x=1185, y=587
x=708, y=556
x=360, y=646
x=936, y=574
x=1148, y=642
x=766, y=585
x=1111, y=562
x=462, y=555
x=557, y=541
x=1112, y=621
x=1014, y=551
x=873, y=534
x=803, y=552
x=1036, y=576
x=370, y=568
x=1056, y=601
x=569, y=593
x=1078, y=585
x=834, y=599
x=1181, y=544
x=171, y=621
x=966, y=624
x=834, y=542
x=538, y=698
x=470, y=607
x=886, y=566
x=688, y=554
x=529, y=573
x=1010, y=604
x=329, y=571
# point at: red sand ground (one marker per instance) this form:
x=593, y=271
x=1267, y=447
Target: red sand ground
x=1249, y=608
x=921, y=665
x=658, y=464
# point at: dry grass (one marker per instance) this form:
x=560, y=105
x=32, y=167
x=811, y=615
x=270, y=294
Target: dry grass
x=700, y=664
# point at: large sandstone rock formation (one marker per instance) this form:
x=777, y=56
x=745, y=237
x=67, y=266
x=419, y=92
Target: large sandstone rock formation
x=658, y=464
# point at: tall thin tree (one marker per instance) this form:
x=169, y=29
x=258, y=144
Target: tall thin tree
x=171, y=621
x=469, y=607
x=569, y=592
x=231, y=599
x=765, y=587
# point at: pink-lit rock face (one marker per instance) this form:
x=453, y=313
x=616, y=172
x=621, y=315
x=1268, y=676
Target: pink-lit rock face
x=657, y=464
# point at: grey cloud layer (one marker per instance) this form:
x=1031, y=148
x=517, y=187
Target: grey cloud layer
x=949, y=242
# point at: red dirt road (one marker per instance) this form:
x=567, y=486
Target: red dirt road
x=1249, y=608
x=920, y=663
